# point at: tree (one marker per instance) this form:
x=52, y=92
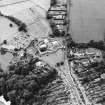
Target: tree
x=49, y=16
x=3, y=51
x=53, y=2
x=84, y=81
x=22, y=26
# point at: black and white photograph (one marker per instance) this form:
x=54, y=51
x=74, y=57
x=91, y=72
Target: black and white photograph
x=52, y=52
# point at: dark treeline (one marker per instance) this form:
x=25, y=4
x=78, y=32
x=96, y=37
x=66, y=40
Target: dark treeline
x=91, y=44
x=22, y=26
x=23, y=83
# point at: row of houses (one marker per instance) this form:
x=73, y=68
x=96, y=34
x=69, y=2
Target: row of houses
x=91, y=75
x=57, y=18
x=87, y=55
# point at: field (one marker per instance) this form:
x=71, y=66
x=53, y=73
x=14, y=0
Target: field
x=37, y=24
x=87, y=20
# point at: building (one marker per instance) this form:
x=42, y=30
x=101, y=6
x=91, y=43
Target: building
x=90, y=72
x=48, y=45
x=57, y=16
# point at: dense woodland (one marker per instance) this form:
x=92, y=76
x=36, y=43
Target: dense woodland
x=22, y=83
x=26, y=84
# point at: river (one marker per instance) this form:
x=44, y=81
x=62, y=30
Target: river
x=87, y=20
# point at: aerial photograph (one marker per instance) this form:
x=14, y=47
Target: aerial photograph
x=52, y=52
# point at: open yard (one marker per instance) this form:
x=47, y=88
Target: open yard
x=54, y=58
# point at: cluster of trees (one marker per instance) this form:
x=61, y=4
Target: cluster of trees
x=91, y=72
x=2, y=51
x=53, y=2
x=89, y=80
x=23, y=83
x=49, y=16
x=55, y=31
x=21, y=25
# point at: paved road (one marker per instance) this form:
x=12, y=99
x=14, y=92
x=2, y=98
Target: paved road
x=65, y=74
x=87, y=19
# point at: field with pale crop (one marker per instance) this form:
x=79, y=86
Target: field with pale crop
x=87, y=20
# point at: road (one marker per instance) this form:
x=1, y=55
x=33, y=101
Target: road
x=65, y=71
x=87, y=19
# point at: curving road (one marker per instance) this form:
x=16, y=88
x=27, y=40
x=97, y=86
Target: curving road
x=87, y=20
